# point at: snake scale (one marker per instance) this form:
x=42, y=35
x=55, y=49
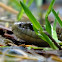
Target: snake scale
x=24, y=30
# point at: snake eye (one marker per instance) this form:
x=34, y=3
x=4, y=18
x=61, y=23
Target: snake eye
x=19, y=25
x=31, y=26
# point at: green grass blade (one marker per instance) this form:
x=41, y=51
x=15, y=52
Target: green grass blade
x=30, y=2
x=20, y=14
x=60, y=43
x=54, y=25
x=57, y=17
x=37, y=32
x=50, y=8
x=54, y=34
x=24, y=1
x=31, y=17
x=52, y=45
x=45, y=38
x=37, y=27
x=16, y=2
x=48, y=26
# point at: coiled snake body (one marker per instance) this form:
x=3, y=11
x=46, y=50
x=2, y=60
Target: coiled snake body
x=24, y=30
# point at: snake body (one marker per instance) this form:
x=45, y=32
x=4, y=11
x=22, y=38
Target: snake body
x=24, y=30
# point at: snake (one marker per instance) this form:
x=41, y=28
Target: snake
x=24, y=31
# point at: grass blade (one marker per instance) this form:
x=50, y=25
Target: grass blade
x=49, y=41
x=31, y=17
x=54, y=25
x=16, y=2
x=24, y=1
x=57, y=17
x=50, y=8
x=48, y=26
x=30, y=2
x=20, y=14
x=54, y=34
x=37, y=27
x=45, y=38
x=37, y=32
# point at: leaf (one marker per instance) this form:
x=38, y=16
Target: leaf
x=48, y=26
x=57, y=17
